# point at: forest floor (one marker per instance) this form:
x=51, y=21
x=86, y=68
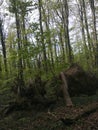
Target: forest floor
x=58, y=117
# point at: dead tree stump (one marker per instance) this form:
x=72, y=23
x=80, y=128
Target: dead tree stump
x=64, y=86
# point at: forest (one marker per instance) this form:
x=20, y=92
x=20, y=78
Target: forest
x=48, y=64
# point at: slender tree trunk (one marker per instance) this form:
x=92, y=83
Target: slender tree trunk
x=86, y=25
x=62, y=44
x=80, y=10
x=20, y=65
x=48, y=37
x=24, y=40
x=3, y=45
x=90, y=44
x=26, y=59
x=66, y=31
x=94, y=31
x=42, y=36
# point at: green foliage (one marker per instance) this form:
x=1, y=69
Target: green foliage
x=6, y=84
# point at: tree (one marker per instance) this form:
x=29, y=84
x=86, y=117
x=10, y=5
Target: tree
x=95, y=41
x=3, y=44
x=46, y=17
x=65, y=14
x=82, y=13
x=42, y=35
x=14, y=8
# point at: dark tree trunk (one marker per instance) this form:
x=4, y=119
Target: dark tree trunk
x=92, y=5
x=66, y=31
x=80, y=10
x=20, y=65
x=42, y=37
x=3, y=45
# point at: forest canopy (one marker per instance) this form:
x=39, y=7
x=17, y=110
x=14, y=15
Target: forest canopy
x=44, y=37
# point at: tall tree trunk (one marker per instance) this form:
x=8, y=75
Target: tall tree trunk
x=42, y=35
x=3, y=45
x=48, y=37
x=80, y=10
x=86, y=24
x=26, y=59
x=66, y=31
x=62, y=43
x=90, y=44
x=20, y=65
x=94, y=31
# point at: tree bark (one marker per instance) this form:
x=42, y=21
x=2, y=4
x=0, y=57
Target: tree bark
x=48, y=39
x=42, y=37
x=92, y=5
x=80, y=10
x=3, y=45
x=20, y=64
x=65, y=15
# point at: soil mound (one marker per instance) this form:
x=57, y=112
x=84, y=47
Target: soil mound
x=80, y=82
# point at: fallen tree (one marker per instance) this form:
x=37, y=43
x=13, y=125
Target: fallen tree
x=72, y=82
